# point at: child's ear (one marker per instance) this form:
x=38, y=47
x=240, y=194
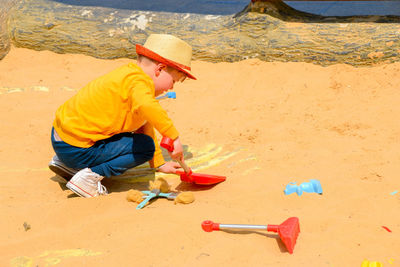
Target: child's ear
x=159, y=68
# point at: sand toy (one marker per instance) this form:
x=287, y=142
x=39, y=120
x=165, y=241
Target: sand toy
x=167, y=95
x=158, y=188
x=155, y=193
x=187, y=175
x=313, y=186
x=288, y=231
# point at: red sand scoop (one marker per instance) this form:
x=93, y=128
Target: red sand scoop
x=288, y=231
x=188, y=176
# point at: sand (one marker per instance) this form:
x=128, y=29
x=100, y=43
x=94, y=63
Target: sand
x=261, y=124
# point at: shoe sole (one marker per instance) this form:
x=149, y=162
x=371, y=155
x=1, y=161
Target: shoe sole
x=77, y=190
x=60, y=171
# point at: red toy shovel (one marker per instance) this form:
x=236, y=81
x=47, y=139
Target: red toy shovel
x=288, y=231
x=188, y=176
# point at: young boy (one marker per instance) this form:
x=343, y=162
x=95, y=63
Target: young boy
x=108, y=126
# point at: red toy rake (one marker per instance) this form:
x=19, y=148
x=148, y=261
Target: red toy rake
x=288, y=231
x=188, y=176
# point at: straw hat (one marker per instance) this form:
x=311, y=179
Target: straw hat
x=168, y=49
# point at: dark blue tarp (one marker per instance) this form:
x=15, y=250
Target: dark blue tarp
x=347, y=8
x=227, y=7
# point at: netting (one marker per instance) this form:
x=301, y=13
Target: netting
x=5, y=6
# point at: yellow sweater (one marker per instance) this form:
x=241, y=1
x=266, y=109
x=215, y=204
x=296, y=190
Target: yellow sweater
x=120, y=101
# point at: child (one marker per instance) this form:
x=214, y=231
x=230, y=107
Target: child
x=108, y=126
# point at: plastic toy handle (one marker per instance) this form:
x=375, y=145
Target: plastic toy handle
x=167, y=143
x=210, y=226
x=167, y=95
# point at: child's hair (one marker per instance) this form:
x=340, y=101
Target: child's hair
x=147, y=60
x=141, y=58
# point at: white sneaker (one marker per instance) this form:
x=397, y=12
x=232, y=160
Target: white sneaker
x=86, y=183
x=59, y=168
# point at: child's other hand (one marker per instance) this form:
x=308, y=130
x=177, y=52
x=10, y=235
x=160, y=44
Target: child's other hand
x=169, y=167
x=177, y=154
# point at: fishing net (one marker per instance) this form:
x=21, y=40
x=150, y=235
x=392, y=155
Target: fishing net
x=5, y=6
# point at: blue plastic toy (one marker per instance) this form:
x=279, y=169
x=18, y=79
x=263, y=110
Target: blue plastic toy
x=154, y=194
x=313, y=186
x=167, y=95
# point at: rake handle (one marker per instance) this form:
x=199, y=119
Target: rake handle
x=210, y=226
x=168, y=144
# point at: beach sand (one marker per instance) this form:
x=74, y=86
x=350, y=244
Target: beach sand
x=262, y=124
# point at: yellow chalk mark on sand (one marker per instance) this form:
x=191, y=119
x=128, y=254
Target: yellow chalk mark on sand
x=66, y=88
x=9, y=90
x=246, y=172
x=214, y=161
x=251, y=157
x=210, y=151
x=40, y=88
x=50, y=258
x=21, y=262
x=247, y=159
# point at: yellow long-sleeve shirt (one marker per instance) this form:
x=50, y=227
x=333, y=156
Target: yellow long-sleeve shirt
x=120, y=101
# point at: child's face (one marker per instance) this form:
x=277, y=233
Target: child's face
x=166, y=78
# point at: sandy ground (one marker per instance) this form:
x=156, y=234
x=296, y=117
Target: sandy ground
x=263, y=125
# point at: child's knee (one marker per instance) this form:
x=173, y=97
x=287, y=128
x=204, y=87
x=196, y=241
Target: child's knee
x=148, y=146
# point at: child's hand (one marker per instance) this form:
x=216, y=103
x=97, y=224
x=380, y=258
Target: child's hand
x=177, y=154
x=169, y=167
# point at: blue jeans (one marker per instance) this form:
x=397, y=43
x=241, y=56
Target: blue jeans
x=108, y=157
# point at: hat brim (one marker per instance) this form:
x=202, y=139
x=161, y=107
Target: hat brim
x=141, y=50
